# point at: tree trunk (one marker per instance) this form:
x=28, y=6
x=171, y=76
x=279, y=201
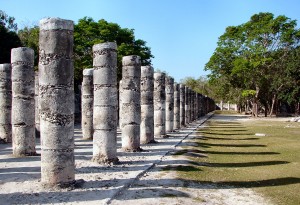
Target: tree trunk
x=255, y=103
x=273, y=103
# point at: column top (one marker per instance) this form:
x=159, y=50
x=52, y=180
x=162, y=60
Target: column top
x=22, y=54
x=56, y=24
x=106, y=45
x=88, y=71
x=5, y=67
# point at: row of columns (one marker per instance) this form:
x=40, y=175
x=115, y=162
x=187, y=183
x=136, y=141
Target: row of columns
x=151, y=104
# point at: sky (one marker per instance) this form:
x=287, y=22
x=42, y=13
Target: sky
x=182, y=34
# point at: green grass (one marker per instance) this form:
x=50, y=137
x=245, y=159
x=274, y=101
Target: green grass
x=229, y=154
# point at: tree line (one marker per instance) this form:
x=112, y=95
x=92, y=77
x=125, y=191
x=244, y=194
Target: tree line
x=87, y=32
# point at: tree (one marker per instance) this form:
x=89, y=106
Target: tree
x=250, y=54
x=30, y=38
x=87, y=32
x=8, y=37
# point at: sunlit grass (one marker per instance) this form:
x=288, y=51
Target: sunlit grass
x=230, y=154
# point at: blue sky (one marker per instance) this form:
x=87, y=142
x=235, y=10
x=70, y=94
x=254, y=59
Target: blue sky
x=182, y=34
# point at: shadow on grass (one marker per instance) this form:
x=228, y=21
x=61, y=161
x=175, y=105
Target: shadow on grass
x=221, y=138
x=229, y=145
x=252, y=184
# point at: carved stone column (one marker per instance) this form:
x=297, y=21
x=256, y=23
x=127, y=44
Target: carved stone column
x=176, y=106
x=182, y=105
x=159, y=97
x=147, y=109
x=5, y=103
x=56, y=90
x=169, y=103
x=87, y=99
x=105, y=103
x=131, y=103
x=23, y=117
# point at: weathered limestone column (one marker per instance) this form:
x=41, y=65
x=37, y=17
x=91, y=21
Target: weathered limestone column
x=159, y=96
x=56, y=89
x=169, y=103
x=182, y=105
x=147, y=109
x=120, y=104
x=187, y=105
x=192, y=105
x=5, y=103
x=105, y=103
x=196, y=106
x=87, y=99
x=23, y=117
x=36, y=103
x=176, y=106
x=131, y=103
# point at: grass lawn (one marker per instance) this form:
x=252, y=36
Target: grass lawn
x=228, y=153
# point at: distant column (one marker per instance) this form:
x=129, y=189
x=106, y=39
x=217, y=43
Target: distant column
x=105, y=103
x=5, y=103
x=182, y=105
x=87, y=99
x=196, y=106
x=192, y=105
x=159, y=95
x=23, y=117
x=176, y=106
x=131, y=103
x=36, y=103
x=147, y=109
x=169, y=103
x=187, y=105
x=56, y=90
x=221, y=105
x=120, y=104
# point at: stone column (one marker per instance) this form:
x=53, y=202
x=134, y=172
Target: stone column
x=196, y=106
x=147, y=109
x=56, y=89
x=192, y=105
x=176, y=106
x=23, y=117
x=36, y=101
x=120, y=104
x=221, y=105
x=131, y=103
x=159, y=97
x=5, y=103
x=105, y=103
x=87, y=98
x=187, y=105
x=169, y=103
x=182, y=105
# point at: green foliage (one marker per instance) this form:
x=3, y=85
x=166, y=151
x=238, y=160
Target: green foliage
x=248, y=93
x=7, y=22
x=8, y=37
x=30, y=38
x=256, y=56
x=87, y=32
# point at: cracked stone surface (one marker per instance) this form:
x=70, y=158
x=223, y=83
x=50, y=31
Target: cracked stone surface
x=56, y=91
x=23, y=102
